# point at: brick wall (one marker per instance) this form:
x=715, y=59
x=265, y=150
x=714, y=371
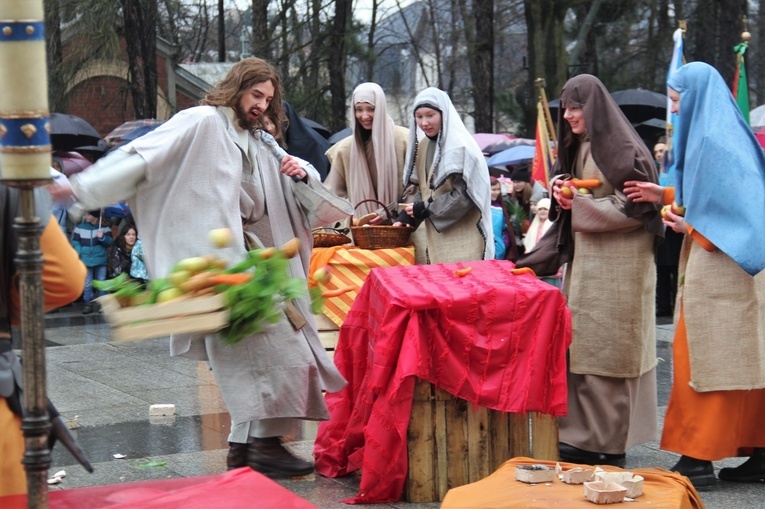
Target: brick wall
x=105, y=101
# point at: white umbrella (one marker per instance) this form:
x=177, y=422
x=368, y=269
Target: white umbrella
x=757, y=116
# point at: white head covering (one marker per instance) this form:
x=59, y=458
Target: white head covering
x=456, y=152
x=383, y=144
x=537, y=225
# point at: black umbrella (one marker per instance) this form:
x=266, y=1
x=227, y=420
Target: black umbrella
x=651, y=130
x=640, y=105
x=316, y=127
x=637, y=104
x=68, y=132
x=340, y=135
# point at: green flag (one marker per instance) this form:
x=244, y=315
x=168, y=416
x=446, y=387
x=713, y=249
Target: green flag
x=741, y=88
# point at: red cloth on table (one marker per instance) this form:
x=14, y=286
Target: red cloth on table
x=492, y=338
x=242, y=488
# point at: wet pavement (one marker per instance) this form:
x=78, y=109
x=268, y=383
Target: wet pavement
x=104, y=390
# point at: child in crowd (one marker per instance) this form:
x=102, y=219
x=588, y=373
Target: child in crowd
x=539, y=226
x=119, y=256
x=504, y=237
x=91, y=239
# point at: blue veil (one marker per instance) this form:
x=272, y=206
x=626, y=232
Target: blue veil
x=720, y=167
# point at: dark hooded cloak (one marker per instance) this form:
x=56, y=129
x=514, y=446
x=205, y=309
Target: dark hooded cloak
x=616, y=147
x=305, y=143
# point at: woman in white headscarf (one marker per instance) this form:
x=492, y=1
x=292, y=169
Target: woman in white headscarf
x=539, y=225
x=370, y=163
x=447, y=186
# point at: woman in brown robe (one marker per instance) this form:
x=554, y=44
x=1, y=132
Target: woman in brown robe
x=611, y=280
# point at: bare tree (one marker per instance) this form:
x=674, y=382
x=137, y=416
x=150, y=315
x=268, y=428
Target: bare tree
x=261, y=41
x=337, y=62
x=547, y=52
x=221, y=32
x=56, y=78
x=140, y=18
x=479, y=36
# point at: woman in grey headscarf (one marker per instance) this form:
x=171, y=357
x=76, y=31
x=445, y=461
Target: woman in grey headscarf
x=447, y=186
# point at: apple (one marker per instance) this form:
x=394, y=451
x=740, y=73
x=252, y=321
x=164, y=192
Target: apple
x=322, y=275
x=220, y=237
x=193, y=265
x=678, y=210
x=179, y=276
x=169, y=294
x=566, y=192
x=665, y=209
x=584, y=190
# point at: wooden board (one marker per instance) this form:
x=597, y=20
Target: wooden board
x=198, y=324
x=180, y=316
x=452, y=442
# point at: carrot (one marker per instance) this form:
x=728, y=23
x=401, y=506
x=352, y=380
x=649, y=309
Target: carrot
x=198, y=282
x=580, y=183
x=338, y=292
x=291, y=247
x=463, y=272
x=524, y=270
x=231, y=279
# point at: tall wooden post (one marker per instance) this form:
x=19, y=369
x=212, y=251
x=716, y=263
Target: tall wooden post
x=25, y=161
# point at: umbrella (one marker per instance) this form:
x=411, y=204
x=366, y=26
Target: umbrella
x=637, y=104
x=640, y=105
x=340, y=135
x=499, y=146
x=512, y=155
x=118, y=133
x=71, y=162
x=97, y=150
x=119, y=209
x=757, y=116
x=651, y=130
x=316, y=127
x=68, y=132
x=484, y=139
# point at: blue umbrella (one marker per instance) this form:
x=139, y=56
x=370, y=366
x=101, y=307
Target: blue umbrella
x=513, y=155
x=119, y=209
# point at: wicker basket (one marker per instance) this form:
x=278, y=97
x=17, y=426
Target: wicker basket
x=329, y=237
x=380, y=237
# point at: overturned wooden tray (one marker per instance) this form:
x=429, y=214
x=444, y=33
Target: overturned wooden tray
x=198, y=315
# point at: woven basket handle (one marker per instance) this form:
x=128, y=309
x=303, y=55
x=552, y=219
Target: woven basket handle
x=384, y=207
x=339, y=231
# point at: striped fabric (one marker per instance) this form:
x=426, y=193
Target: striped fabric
x=350, y=266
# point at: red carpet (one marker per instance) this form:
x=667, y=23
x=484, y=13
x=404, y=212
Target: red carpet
x=238, y=489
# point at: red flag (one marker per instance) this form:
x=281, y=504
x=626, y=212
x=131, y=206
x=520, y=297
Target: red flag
x=540, y=169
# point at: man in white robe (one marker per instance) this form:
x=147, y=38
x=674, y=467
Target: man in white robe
x=208, y=168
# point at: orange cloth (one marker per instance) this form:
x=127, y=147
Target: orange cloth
x=13, y=480
x=500, y=490
x=350, y=266
x=669, y=195
x=63, y=274
x=709, y=425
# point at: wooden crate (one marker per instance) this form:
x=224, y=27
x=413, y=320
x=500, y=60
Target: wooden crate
x=452, y=442
x=328, y=334
x=191, y=315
